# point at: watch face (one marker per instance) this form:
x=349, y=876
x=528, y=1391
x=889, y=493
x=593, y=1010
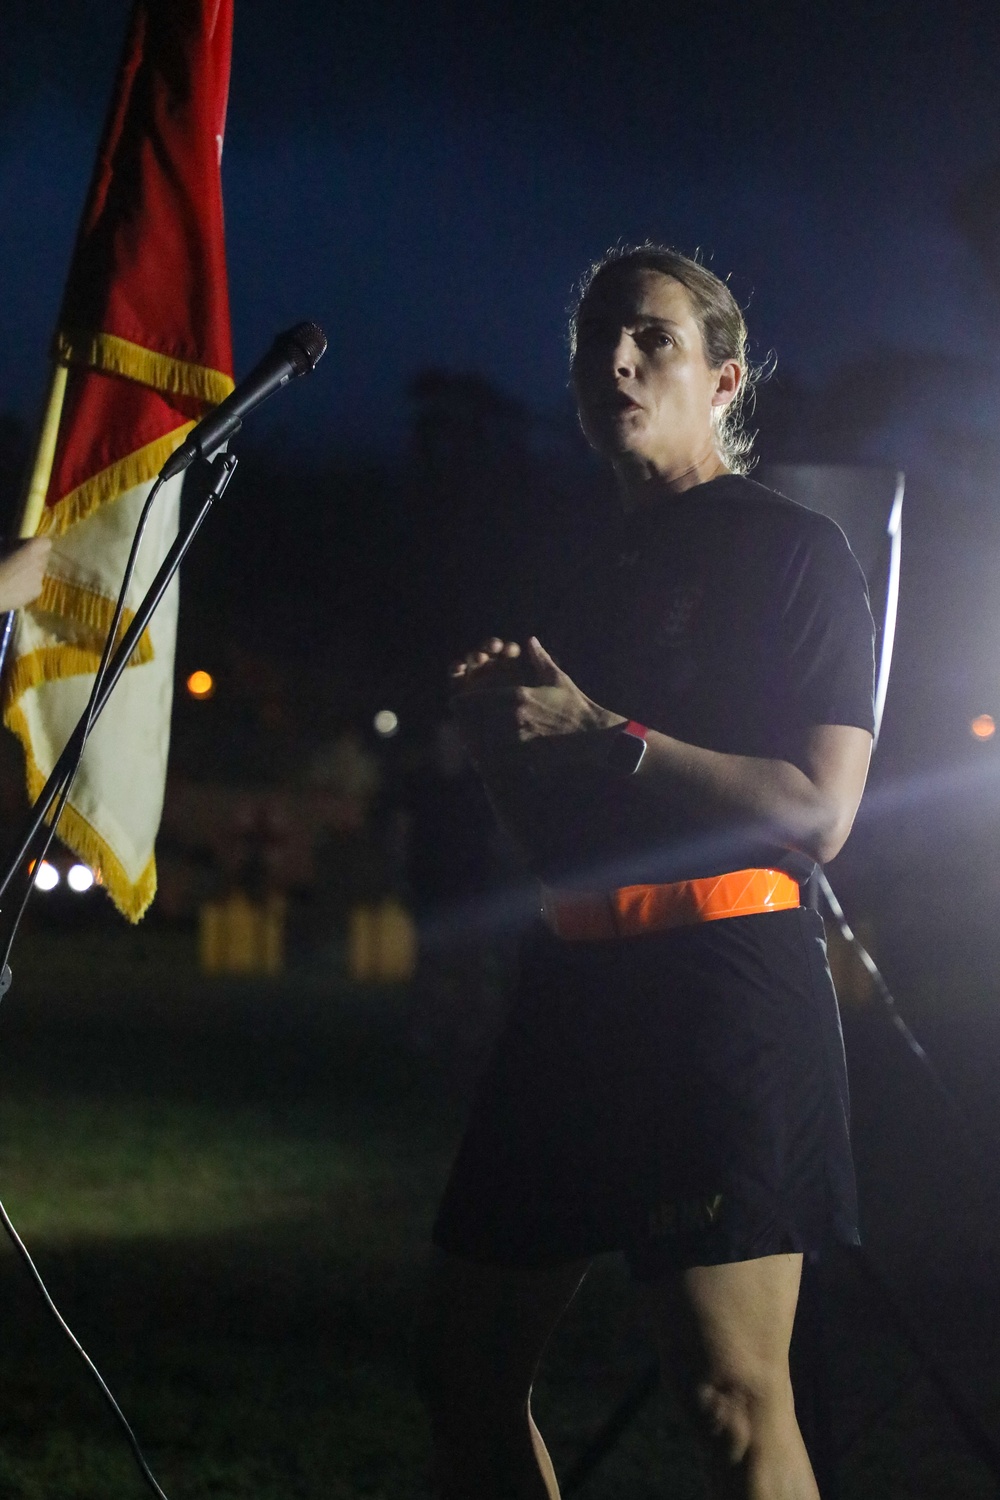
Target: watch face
x=625, y=753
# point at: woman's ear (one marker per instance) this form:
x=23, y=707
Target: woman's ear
x=728, y=379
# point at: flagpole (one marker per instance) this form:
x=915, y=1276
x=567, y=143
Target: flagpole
x=38, y=485
x=33, y=504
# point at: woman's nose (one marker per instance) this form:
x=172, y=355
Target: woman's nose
x=625, y=357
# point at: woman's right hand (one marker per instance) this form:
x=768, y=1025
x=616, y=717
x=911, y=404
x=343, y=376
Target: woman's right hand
x=497, y=664
x=497, y=667
x=22, y=571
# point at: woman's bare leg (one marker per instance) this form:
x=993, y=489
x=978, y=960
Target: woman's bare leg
x=725, y=1333
x=479, y=1336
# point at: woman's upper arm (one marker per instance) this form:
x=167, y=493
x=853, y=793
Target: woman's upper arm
x=836, y=762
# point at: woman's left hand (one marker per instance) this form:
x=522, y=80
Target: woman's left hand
x=552, y=706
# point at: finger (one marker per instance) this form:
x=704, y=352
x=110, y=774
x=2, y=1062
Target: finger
x=493, y=647
x=511, y=650
x=547, y=669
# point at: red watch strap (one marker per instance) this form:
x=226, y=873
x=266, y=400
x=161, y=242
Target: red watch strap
x=632, y=727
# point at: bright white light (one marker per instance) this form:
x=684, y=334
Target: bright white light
x=80, y=878
x=46, y=876
x=386, y=723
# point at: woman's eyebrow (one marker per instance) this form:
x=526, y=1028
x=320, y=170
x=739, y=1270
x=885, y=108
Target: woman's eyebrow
x=602, y=320
x=651, y=321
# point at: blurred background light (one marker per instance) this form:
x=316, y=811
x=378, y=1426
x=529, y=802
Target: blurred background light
x=201, y=684
x=80, y=878
x=46, y=876
x=983, y=727
x=386, y=723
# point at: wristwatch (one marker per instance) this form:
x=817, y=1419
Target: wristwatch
x=627, y=749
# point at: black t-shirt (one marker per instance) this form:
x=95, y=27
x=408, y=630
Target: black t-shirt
x=732, y=619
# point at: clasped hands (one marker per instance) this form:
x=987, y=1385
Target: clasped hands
x=504, y=697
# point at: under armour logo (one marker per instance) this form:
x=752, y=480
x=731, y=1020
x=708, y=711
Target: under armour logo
x=685, y=1217
x=677, y=618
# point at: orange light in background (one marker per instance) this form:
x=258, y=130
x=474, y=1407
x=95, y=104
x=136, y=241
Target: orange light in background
x=983, y=727
x=201, y=684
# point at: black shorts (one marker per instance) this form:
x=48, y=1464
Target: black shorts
x=680, y=1096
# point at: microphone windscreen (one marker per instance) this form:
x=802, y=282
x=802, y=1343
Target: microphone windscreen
x=305, y=345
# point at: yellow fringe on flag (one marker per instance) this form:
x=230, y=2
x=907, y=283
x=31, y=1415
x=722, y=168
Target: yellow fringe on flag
x=132, y=900
x=106, y=485
x=84, y=606
x=118, y=356
x=55, y=664
x=69, y=659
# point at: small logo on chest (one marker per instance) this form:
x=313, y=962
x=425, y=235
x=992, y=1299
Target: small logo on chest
x=682, y=605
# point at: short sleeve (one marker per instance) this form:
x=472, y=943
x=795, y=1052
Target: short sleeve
x=828, y=630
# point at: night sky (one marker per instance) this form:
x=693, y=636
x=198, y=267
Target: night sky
x=427, y=181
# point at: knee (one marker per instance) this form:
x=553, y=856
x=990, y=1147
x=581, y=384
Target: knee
x=738, y=1405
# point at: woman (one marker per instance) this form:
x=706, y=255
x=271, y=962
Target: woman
x=670, y=1082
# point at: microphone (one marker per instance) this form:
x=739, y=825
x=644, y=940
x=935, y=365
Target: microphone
x=293, y=353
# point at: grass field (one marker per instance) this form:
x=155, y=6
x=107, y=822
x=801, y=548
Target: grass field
x=228, y=1189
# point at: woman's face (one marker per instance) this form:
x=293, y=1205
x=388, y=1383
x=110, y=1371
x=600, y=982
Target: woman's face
x=644, y=390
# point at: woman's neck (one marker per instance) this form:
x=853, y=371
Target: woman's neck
x=642, y=482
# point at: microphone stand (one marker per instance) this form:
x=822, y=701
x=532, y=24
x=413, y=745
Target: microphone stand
x=6, y=631
x=220, y=471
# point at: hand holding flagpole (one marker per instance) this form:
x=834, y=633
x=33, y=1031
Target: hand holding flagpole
x=22, y=571
x=32, y=507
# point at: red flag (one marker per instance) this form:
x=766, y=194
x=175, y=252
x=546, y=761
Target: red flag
x=147, y=296
x=142, y=351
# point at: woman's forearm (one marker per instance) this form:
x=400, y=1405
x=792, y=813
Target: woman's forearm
x=679, y=786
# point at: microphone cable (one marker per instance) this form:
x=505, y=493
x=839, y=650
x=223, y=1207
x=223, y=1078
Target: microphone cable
x=87, y=720
x=102, y=1386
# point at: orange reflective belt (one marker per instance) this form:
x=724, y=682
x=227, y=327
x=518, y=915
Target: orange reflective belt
x=588, y=916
